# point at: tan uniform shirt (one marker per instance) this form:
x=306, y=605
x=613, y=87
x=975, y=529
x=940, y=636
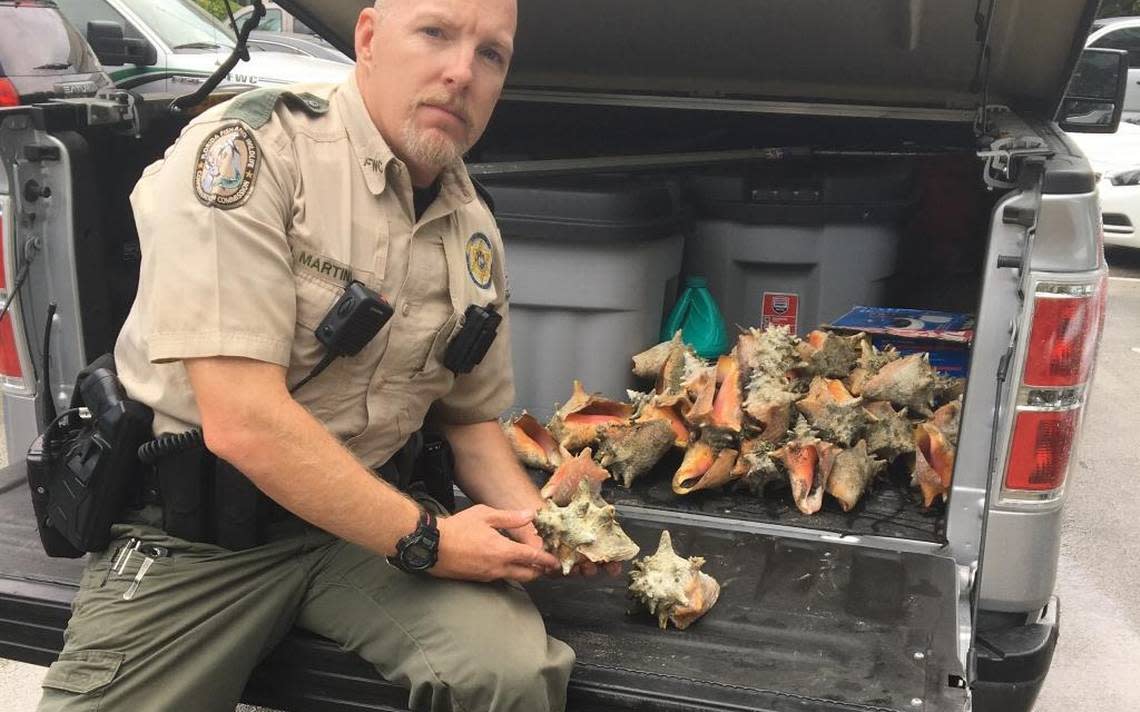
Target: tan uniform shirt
x=250, y=228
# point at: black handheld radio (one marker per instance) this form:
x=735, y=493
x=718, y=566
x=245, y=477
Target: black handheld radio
x=80, y=467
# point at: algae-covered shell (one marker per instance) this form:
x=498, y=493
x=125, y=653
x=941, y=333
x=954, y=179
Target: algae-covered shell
x=585, y=529
x=908, y=382
x=851, y=474
x=673, y=587
x=630, y=451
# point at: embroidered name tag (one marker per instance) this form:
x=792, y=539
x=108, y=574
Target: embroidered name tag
x=322, y=267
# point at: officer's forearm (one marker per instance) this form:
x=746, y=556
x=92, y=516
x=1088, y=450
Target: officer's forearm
x=486, y=468
x=250, y=420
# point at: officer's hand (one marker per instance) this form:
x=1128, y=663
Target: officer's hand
x=471, y=547
x=589, y=568
x=526, y=534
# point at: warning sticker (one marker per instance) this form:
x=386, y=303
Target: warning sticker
x=780, y=309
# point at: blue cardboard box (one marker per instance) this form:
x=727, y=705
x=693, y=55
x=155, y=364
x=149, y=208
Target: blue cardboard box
x=946, y=336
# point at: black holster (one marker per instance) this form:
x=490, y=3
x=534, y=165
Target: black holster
x=206, y=499
x=423, y=465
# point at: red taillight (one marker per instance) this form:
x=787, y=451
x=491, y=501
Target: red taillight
x=1067, y=321
x=8, y=95
x=1042, y=444
x=9, y=355
x=1062, y=339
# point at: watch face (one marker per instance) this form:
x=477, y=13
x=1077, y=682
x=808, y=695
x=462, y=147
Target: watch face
x=419, y=555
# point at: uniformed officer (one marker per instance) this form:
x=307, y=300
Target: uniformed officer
x=251, y=226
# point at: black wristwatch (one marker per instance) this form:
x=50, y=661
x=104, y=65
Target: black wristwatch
x=418, y=551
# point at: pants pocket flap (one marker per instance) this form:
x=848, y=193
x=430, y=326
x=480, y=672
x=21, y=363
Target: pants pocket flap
x=83, y=671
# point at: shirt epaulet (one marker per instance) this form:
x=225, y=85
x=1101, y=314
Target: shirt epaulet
x=485, y=194
x=256, y=106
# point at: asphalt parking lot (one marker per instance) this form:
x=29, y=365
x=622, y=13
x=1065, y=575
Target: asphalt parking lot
x=1098, y=655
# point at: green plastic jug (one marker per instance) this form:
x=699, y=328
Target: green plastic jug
x=699, y=320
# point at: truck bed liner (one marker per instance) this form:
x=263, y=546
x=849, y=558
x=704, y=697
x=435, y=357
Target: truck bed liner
x=799, y=626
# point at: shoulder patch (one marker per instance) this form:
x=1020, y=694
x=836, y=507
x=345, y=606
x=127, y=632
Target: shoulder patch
x=480, y=259
x=226, y=168
x=254, y=107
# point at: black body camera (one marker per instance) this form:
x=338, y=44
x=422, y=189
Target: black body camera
x=470, y=345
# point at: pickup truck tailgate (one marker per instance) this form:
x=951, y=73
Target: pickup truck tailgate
x=800, y=625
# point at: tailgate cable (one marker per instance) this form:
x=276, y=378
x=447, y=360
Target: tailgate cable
x=31, y=249
x=1026, y=218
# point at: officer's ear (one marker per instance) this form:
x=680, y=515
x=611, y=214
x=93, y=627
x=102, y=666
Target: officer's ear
x=365, y=32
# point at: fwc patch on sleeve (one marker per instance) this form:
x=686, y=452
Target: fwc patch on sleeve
x=479, y=259
x=226, y=168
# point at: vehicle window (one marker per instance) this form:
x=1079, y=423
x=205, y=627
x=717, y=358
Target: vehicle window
x=264, y=46
x=80, y=12
x=271, y=22
x=1127, y=38
x=301, y=27
x=37, y=40
x=182, y=25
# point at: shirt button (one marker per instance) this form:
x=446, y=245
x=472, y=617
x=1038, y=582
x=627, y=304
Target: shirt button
x=405, y=309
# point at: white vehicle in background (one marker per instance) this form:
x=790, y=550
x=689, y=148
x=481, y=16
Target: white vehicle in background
x=1122, y=33
x=171, y=46
x=1115, y=158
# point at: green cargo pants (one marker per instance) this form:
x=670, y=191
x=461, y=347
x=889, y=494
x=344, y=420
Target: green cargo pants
x=201, y=617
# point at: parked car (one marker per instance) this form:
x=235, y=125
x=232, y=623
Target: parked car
x=922, y=177
x=1115, y=158
x=1122, y=33
x=57, y=64
x=296, y=43
x=172, y=45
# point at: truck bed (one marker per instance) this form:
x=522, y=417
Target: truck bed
x=799, y=626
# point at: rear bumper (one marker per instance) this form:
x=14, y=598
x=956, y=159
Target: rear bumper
x=1012, y=662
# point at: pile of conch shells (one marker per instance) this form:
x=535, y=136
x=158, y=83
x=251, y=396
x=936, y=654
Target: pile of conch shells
x=828, y=413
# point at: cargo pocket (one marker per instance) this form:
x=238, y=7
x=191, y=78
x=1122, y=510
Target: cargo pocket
x=84, y=672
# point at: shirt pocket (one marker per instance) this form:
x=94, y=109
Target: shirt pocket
x=431, y=363
x=314, y=300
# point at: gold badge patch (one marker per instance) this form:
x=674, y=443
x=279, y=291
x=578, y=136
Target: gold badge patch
x=226, y=168
x=479, y=258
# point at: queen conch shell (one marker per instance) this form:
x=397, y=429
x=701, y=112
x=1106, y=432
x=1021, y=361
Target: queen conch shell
x=908, y=382
x=933, y=463
x=889, y=433
x=946, y=420
x=833, y=412
x=808, y=461
x=577, y=423
x=754, y=465
x=717, y=403
x=575, y=470
x=629, y=451
x=670, y=414
x=673, y=587
x=830, y=355
x=533, y=443
x=705, y=467
x=586, y=529
x=648, y=363
x=772, y=351
x=852, y=472
x=871, y=360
